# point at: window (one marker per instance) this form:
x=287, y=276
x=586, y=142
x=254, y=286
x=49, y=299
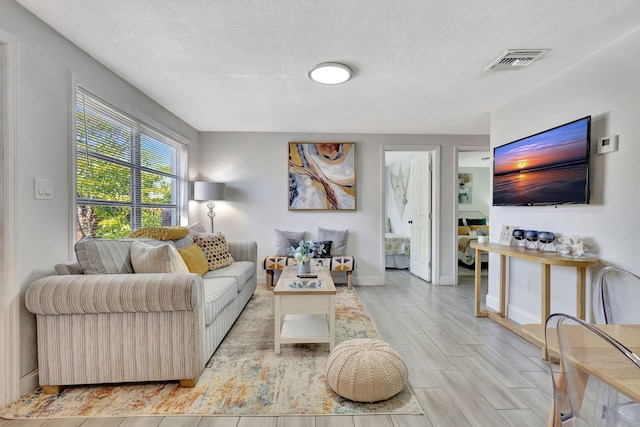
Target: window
x=128, y=174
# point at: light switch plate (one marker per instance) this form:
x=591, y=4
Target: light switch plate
x=43, y=189
x=608, y=144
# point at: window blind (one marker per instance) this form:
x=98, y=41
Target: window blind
x=128, y=174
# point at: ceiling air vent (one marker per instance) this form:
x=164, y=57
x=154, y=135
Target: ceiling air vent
x=515, y=59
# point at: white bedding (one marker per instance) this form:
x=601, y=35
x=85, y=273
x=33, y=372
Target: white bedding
x=397, y=250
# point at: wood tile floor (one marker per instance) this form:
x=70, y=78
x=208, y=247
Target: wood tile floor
x=465, y=371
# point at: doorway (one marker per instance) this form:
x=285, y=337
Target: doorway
x=410, y=197
x=473, y=202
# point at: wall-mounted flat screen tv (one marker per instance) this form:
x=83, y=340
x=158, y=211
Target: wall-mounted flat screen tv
x=548, y=168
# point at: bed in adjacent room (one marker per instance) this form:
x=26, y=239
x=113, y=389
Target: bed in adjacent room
x=469, y=223
x=397, y=249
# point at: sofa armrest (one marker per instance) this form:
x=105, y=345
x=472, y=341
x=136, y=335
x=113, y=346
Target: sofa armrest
x=114, y=293
x=244, y=250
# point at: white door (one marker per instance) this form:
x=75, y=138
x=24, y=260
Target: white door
x=421, y=216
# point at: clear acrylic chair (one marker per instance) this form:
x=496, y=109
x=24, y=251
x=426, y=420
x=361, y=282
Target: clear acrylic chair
x=578, y=398
x=616, y=294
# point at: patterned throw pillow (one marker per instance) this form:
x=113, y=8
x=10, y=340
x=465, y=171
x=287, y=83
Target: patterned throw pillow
x=337, y=237
x=215, y=248
x=146, y=258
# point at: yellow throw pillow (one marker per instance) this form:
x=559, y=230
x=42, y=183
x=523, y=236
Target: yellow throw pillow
x=161, y=233
x=463, y=230
x=215, y=248
x=195, y=259
x=164, y=258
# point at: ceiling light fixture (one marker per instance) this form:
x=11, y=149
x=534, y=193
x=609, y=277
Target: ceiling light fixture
x=330, y=73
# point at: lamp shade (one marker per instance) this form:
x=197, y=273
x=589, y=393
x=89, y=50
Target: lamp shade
x=204, y=190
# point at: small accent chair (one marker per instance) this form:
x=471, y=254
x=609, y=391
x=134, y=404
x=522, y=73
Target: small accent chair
x=577, y=398
x=616, y=293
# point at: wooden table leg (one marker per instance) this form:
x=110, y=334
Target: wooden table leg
x=269, y=279
x=545, y=303
x=277, y=325
x=503, y=285
x=581, y=280
x=478, y=282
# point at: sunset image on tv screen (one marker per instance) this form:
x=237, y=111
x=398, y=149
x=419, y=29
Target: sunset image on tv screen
x=547, y=168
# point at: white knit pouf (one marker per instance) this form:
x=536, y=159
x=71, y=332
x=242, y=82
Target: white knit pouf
x=366, y=370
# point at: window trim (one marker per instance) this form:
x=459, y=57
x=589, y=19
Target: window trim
x=145, y=121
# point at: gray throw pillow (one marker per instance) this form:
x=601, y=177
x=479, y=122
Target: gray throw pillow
x=338, y=239
x=282, y=240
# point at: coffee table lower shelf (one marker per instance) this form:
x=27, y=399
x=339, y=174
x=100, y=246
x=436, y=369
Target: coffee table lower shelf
x=305, y=328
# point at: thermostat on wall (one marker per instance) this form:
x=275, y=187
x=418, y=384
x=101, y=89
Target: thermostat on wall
x=608, y=144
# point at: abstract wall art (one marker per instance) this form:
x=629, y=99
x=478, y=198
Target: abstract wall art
x=465, y=188
x=322, y=176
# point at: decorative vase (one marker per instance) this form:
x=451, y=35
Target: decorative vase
x=304, y=267
x=483, y=239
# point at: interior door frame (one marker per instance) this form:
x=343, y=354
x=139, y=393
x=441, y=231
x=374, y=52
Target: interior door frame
x=435, y=202
x=9, y=272
x=456, y=161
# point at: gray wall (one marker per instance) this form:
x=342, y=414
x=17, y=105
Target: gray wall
x=46, y=61
x=605, y=86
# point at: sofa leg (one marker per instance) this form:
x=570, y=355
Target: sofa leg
x=52, y=389
x=349, y=280
x=269, y=279
x=188, y=383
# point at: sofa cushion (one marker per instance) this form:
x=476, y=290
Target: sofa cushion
x=216, y=250
x=337, y=237
x=242, y=271
x=148, y=258
x=100, y=256
x=103, y=256
x=195, y=259
x=187, y=240
x=219, y=292
x=161, y=233
x=282, y=240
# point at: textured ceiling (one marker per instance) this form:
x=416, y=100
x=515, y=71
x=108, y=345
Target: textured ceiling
x=242, y=65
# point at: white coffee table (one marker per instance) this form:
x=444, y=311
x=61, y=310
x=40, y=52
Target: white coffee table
x=305, y=309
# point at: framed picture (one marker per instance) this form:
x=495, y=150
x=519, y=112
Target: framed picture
x=322, y=176
x=506, y=234
x=465, y=188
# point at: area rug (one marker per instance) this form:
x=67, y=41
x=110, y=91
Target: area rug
x=243, y=377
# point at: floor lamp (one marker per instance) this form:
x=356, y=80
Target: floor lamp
x=209, y=191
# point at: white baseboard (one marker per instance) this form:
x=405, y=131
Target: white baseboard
x=514, y=313
x=521, y=317
x=446, y=280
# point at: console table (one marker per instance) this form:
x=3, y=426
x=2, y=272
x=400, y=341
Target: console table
x=546, y=260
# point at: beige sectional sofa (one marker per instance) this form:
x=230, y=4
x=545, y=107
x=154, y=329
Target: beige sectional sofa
x=109, y=325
